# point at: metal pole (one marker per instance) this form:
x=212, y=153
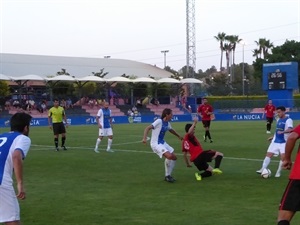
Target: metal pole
x=165, y=57
x=243, y=71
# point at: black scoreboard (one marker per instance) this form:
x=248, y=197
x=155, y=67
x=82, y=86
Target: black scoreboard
x=277, y=80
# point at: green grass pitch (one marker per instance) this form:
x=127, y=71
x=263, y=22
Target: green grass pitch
x=80, y=187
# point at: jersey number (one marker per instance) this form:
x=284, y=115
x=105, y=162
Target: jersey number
x=3, y=140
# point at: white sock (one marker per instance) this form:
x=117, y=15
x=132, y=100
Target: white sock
x=98, y=142
x=279, y=166
x=109, y=142
x=167, y=167
x=172, y=165
x=266, y=162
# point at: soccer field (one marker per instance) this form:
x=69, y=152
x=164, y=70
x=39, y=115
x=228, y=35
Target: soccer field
x=80, y=187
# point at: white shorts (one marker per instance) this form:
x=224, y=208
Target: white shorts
x=276, y=148
x=105, y=132
x=9, y=205
x=161, y=149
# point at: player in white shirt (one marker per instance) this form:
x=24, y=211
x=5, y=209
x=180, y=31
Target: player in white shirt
x=159, y=146
x=14, y=147
x=277, y=147
x=104, y=122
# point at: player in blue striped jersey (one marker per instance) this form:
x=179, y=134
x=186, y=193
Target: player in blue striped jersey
x=14, y=147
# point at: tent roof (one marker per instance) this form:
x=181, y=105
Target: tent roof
x=118, y=79
x=4, y=77
x=28, y=77
x=61, y=78
x=92, y=78
x=19, y=65
x=191, y=81
x=144, y=80
x=168, y=80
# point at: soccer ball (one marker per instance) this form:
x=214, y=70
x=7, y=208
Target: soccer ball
x=266, y=173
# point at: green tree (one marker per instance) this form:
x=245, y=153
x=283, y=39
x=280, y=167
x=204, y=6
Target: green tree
x=4, y=89
x=288, y=52
x=218, y=85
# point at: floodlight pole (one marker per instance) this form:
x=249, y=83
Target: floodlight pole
x=243, y=69
x=165, y=56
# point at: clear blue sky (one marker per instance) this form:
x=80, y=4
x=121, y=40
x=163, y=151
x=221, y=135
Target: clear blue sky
x=140, y=29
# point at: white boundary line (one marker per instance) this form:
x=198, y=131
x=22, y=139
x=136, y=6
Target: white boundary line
x=46, y=147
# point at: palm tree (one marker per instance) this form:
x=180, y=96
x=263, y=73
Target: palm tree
x=62, y=72
x=256, y=53
x=234, y=40
x=264, y=46
x=268, y=45
x=221, y=38
x=227, y=49
x=101, y=74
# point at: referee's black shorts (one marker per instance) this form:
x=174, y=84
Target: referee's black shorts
x=201, y=162
x=290, y=200
x=58, y=128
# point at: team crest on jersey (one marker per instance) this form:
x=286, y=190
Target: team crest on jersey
x=186, y=145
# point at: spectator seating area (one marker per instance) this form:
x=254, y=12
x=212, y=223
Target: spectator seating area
x=157, y=110
x=94, y=110
x=75, y=111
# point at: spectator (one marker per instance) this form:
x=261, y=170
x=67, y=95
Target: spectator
x=91, y=103
x=138, y=103
x=27, y=106
x=130, y=112
x=7, y=105
x=154, y=101
x=63, y=103
x=146, y=100
x=42, y=107
x=32, y=104
x=69, y=103
x=16, y=104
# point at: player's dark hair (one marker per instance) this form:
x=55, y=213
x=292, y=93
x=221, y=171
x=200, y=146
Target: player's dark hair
x=55, y=100
x=188, y=126
x=19, y=121
x=166, y=112
x=282, y=108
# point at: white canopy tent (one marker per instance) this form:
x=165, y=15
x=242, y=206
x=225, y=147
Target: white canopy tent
x=4, y=77
x=61, y=78
x=168, y=80
x=118, y=79
x=92, y=78
x=190, y=81
x=144, y=80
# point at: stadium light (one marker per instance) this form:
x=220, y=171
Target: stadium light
x=165, y=56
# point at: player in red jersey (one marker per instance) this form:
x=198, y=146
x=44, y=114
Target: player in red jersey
x=269, y=110
x=205, y=111
x=198, y=156
x=290, y=202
